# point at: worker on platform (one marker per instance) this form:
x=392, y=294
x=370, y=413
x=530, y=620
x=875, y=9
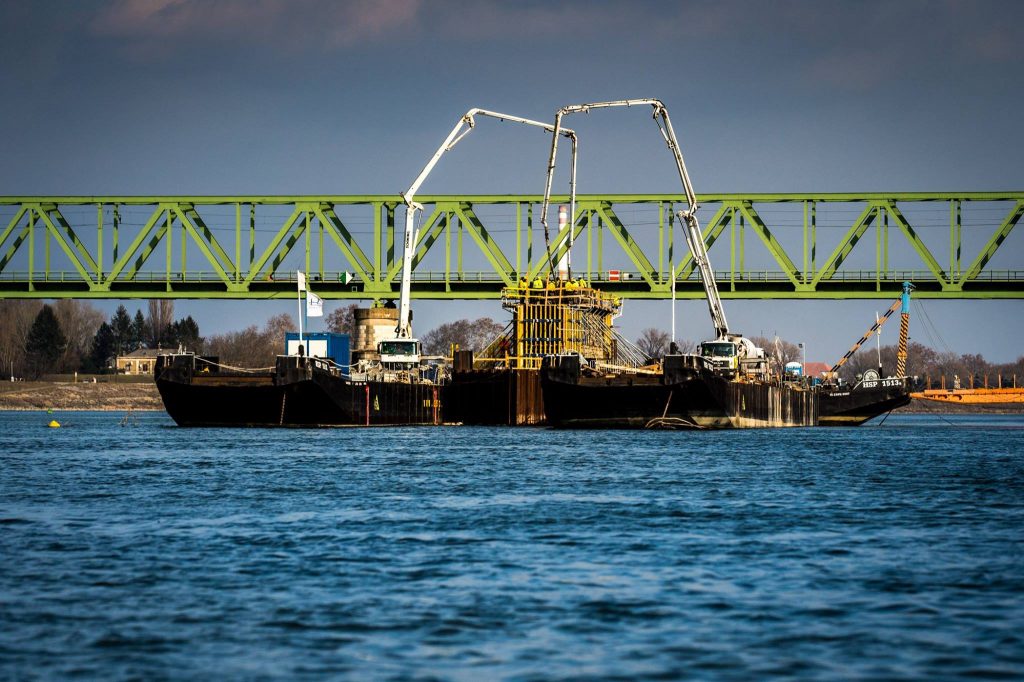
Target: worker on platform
x=537, y=283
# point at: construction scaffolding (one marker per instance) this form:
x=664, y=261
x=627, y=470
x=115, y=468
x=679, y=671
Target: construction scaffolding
x=560, y=317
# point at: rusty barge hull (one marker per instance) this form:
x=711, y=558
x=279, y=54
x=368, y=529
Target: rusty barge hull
x=678, y=398
x=495, y=398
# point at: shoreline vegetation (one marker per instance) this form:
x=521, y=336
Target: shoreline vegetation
x=140, y=394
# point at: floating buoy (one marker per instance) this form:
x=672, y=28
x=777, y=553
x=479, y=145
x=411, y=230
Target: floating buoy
x=54, y=424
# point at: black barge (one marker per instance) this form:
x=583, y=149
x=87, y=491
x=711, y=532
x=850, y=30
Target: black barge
x=299, y=391
x=687, y=394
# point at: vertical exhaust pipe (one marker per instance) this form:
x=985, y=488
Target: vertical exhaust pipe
x=563, y=262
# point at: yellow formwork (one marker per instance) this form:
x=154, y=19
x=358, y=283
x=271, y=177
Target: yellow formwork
x=559, y=317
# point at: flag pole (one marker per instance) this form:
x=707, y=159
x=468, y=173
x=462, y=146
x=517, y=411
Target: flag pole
x=301, y=286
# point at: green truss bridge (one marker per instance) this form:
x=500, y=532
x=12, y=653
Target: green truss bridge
x=857, y=245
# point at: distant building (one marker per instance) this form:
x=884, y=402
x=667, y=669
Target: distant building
x=816, y=369
x=137, y=362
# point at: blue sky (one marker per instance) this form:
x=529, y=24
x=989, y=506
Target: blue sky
x=316, y=97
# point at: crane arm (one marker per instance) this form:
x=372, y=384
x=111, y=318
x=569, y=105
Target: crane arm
x=867, y=335
x=464, y=126
x=902, y=303
x=693, y=234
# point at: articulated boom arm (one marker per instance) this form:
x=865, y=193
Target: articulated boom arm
x=689, y=217
x=461, y=129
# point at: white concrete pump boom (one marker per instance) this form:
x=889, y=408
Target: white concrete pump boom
x=461, y=129
x=689, y=215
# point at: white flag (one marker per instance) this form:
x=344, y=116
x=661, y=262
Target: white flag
x=314, y=305
x=302, y=281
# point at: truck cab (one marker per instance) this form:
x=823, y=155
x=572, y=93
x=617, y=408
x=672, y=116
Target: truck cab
x=399, y=354
x=734, y=355
x=721, y=354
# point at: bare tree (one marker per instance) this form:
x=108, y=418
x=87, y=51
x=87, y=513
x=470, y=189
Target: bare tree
x=686, y=346
x=252, y=347
x=778, y=351
x=159, y=321
x=473, y=335
x=342, y=320
x=653, y=342
x=275, y=328
x=79, y=321
x=16, y=318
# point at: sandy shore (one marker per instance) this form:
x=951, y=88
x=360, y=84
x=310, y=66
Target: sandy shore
x=935, y=407
x=44, y=395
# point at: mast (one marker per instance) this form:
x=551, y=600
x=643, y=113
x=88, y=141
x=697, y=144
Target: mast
x=901, y=351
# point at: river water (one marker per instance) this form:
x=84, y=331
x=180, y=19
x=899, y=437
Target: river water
x=149, y=551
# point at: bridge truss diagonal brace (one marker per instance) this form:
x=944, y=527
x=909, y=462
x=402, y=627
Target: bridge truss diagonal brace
x=993, y=244
x=919, y=246
x=846, y=245
x=11, y=226
x=132, y=250
x=502, y=267
x=629, y=245
x=746, y=209
x=288, y=235
x=208, y=245
x=436, y=222
x=710, y=234
x=349, y=247
x=72, y=254
x=79, y=256
x=18, y=215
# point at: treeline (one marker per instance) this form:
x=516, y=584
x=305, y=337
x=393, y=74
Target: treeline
x=928, y=363
x=253, y=346
x=257, y=346
x=72, y=336
x=922, y=361
x=473, y=335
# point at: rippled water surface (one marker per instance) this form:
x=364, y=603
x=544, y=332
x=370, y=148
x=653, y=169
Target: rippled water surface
x=151, y=551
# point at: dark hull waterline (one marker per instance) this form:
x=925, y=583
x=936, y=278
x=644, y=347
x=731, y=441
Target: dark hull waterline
x=698, y=398
x=294, y=395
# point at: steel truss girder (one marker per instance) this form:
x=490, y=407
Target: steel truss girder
x=28, y=225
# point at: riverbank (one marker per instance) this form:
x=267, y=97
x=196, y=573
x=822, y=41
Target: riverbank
x=935, y=407
x=47, y=395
